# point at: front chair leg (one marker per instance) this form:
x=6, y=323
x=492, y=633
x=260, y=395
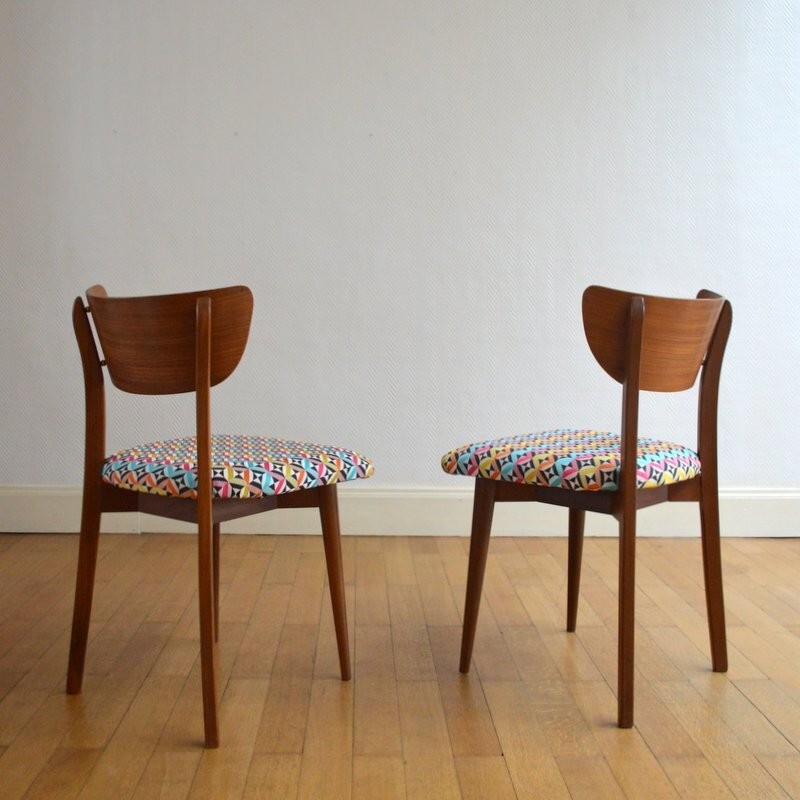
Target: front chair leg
x=482, y=510
x=329, y=518
x=575, y=553
x=84, y=588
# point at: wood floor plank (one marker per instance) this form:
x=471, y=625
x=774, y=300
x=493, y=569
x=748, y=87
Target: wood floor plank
x=429, y=766
x=781, y=710
x=469, y=722
x=378, y=778
x=305, y=600
x=372, y=600
x=533, y=769
x=733, y=708
x=285, y=713
x=326, y=768
x=413, y=660
x=124, y=759
x=722, y=748
x=398, y=561
x=64, y=774
x=535, y=717
x=531, y=658
x=693, y=776
x=484, y=778
x=106, y=706
x=588, y=778
x=435, y=591
x=223, y=772
x=32, y=689
x=244, y=587
x=634, y=766
x=272, y=776
x=285, y=559
x=376, y=715
x=405, y=606
x=786, y=772
x=35, y=744
x=500, y=595
x=171, y=769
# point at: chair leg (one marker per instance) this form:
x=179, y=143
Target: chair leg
x=482, y=510
x=84, y=588
x=627, y=597
x=329, y=518
x=215, y=539
x=207, y=625
x=712, y=569
x=575, y=553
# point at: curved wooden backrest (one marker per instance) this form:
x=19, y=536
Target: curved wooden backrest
x=675, y=337
x=149, y=343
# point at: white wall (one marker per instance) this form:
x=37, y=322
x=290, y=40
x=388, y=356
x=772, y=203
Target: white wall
x=417, y=192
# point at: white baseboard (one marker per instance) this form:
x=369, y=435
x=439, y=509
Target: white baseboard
x=437, y=511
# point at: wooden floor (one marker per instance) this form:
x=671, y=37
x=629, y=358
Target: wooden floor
x=535, y=718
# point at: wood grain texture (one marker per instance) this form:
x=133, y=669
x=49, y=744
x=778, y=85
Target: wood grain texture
x=148, y=342
x=645, y=343
x=675, y=338
x=409, y=724
x=166, y=344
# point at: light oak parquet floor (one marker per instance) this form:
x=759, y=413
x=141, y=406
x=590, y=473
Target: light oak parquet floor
x=535, y=718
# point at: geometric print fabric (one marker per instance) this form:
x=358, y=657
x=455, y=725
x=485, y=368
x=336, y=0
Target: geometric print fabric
x=241, y=467
x=579, y=460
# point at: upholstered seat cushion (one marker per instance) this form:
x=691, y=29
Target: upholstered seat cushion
x=580, y=460
x=241, y=467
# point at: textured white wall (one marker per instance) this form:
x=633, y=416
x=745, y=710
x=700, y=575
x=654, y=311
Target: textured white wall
x=417, y=192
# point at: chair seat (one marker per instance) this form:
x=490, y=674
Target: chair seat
x=579, y=460
x=242, y=467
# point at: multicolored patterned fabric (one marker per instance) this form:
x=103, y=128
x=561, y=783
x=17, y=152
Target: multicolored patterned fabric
x=241, y=467
x=580, y=460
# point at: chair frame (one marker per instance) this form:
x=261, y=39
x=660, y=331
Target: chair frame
x=206, y=512
x=630, y=361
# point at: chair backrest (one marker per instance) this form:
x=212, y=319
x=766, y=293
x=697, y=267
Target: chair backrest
x=149, y=343
x=676, y=335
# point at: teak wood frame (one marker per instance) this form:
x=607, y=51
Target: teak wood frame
x=162, y=345
x=645, y=343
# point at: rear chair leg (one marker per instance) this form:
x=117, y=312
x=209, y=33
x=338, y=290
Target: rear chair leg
x=712, y=569
x=84, y=589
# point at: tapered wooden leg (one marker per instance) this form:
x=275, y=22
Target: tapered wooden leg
x=215, y=538
x=482, y=510
x=329, y=517
x=84, y=588
x=207, y=641
x=575, y=553
x=627, y=596
x=712, y=569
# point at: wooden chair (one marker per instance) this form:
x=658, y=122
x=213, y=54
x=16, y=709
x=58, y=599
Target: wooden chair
x=179, y=343
x=646, y=344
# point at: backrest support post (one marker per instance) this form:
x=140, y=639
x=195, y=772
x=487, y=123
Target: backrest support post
x=94, y=394
x=630, y=398
x=708, y=397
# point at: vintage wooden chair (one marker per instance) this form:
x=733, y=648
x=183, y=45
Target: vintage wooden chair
x=189, y=342
x=646, y=344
